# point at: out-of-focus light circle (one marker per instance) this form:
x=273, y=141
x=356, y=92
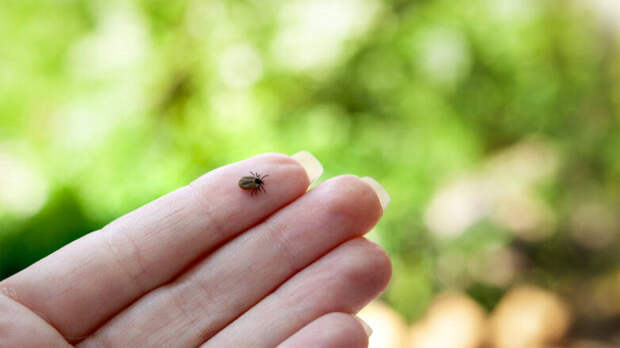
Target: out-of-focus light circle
x=240, y=66
x=388, y=327
x=23, y=190
x=452, y=321
x=529, y=317
x=513, y=10
x=313, y=32
x=608, y=10
x=234, y=112
x=120, y=42
x=501, y=190
x=524, y=215
x=456, y=207
x=445, y=56
x=78, y=126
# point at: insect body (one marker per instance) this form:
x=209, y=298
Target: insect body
x=254, y=183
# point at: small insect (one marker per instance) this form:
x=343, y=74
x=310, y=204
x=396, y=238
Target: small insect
x=254, y=183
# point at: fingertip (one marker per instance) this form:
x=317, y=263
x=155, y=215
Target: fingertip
x=310, y=163
x=365, y=326
x=382, y=194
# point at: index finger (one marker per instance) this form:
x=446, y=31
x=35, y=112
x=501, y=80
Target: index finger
x=81, y=285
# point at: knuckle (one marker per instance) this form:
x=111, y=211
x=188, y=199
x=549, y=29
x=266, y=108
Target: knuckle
x=280, y=240
x=125, y=255
x=207, y=210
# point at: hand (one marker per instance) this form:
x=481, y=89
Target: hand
x=211, y=265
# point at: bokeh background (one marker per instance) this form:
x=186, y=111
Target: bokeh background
x=494, y=124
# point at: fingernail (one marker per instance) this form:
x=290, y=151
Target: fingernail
x=313, y=167
x=384, y=196
x=366, y=327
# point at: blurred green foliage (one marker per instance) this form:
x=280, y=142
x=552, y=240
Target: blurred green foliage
x=106, y=105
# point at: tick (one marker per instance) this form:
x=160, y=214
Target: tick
x=254, y=183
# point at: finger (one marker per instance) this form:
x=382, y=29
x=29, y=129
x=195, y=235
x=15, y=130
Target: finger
x=334, y=330
x=239, y=274
x=344, y=280
x=19, y=327
x=82, y=284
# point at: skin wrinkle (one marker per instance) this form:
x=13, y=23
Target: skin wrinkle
x=278, y=238
x=78, y=268
x=119, y=228
x=134, y=277
x=204, y=293
x=100, y=342
x=206, y=299
x=104, y=235
x=179, y=303
x=206, y=207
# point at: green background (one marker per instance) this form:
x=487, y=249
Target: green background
x=494, y=125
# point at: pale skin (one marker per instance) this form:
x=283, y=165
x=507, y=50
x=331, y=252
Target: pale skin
x=210, y=265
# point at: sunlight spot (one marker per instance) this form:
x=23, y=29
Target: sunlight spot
x=456, y=207
x=501, y=189
x=240, y=66
x=120, y=42
x=234, y=112
x=313, y=32
x=388, y=327
x=445, y=56
x=23, y=190
x=513, y=10
x=452, y=320
x=607, y=10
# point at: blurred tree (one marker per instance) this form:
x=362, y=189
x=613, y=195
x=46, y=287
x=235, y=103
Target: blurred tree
x=494, y=124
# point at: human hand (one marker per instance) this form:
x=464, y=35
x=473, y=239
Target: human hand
x=210, y=265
